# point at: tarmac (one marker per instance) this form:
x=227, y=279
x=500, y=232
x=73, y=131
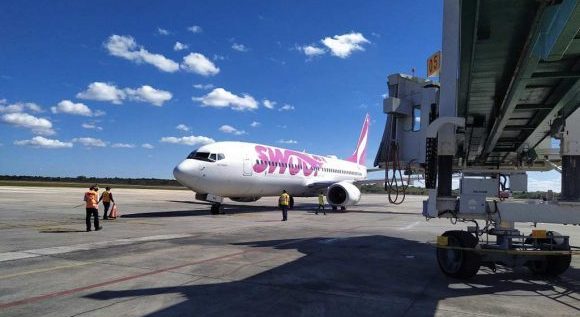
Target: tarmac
x=167, y=256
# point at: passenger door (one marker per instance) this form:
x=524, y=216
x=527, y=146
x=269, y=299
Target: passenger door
x=247, y=166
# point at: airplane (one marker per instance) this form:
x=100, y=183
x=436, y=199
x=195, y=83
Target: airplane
x=245, y=172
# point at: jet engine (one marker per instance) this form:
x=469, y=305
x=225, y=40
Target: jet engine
x=245, y=199
x=343, y=194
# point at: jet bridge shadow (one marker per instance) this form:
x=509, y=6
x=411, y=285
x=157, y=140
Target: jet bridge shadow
x=359, y=276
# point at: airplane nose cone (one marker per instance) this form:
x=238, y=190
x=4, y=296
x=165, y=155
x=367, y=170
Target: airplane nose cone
x=183, y=172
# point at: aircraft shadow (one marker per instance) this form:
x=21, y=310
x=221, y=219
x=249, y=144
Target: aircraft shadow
x=189, y=202
x=357, y=276
x=228, y=209
x=60, y=230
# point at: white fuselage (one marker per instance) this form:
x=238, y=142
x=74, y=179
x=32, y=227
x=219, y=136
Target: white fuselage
x=239, y=170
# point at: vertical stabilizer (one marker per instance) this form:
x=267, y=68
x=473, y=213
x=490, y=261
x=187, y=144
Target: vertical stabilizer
x=360, y=154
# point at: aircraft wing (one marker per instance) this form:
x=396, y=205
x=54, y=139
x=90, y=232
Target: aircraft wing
x=326, y=184
x=320, y=185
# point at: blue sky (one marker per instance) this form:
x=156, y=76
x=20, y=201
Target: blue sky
x=129, y=88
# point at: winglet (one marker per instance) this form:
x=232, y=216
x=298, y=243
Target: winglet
x=359, y=155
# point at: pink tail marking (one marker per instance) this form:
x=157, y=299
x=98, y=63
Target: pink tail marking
x=359, y=155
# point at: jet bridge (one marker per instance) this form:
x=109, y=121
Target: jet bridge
x=509, y=83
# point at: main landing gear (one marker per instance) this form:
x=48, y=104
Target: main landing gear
x=217, y=209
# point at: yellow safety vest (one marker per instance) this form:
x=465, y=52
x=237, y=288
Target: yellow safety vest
x=106, y=197
x=284, y=199
x=321, y=199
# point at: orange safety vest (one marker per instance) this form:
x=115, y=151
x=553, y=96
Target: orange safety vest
x=106, y=196
x=284, y=199
x=91, y=198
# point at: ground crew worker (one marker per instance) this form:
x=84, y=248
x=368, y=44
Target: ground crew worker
x=107, y=198
x=92, y=204
x=284, y=202
x=320, y=204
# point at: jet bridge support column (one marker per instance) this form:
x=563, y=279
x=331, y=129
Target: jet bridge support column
x=446, y=137
x=570, y=150
x=444, y=175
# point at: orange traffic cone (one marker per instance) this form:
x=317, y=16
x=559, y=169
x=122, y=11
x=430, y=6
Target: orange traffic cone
x=114, y=212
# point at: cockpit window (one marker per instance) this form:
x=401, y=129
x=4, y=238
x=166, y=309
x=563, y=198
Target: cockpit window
x=202, y=156
x=205, y=156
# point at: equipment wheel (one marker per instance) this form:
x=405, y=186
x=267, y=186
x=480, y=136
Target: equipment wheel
x=343, y=208
x=334, y=207
x=459, y=263
x=552, y=265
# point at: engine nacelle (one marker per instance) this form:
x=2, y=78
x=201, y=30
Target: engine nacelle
x=244, y=199
x=343, y=194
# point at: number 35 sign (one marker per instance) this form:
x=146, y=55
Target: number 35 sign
x=434, y=64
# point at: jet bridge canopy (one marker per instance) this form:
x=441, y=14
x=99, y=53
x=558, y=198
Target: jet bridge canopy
x=518, y=71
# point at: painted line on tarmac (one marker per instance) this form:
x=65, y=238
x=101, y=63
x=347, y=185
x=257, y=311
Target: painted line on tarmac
x=54, y=268
x=34, y=299
x=410, y=226
x=17, y=255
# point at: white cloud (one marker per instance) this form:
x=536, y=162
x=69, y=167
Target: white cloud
x=91, y=126
x=179, y=46
x=218, y=57
x=203, y=87
x=149, y=94
x=123, y=146
x=343, y=46
x=286, y=107
x=162, y=31
x=239, y=47
x=268, y=103
x=288, y=141
x=126, y=47
x=19, y=107
x=255, y=124
x=195, y=29
x=199, y=64
x=37, y=125
x=231, y=130
x=100, y=91
x=182, y=127
x=221, y=98
x=311, y=50
x=147, y=146
x=99, y=113
x=108, y=92
x=69, y=107
x=188, y=140
x=544, y=181
x=90, y=142
x=41, y=142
